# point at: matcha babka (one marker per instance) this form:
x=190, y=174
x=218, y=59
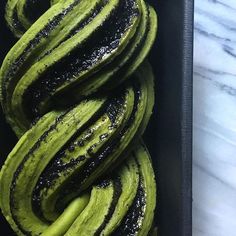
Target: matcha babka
x=78, y=92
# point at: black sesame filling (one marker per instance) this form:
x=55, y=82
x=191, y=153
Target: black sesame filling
x=21, y=166
x=121, y=66
x=77, y=180
x=101, y=43
x=56, y=167
x=115, y=198
x=130, y=225
x=123, y=70
x=80, y=26
x=44, y=33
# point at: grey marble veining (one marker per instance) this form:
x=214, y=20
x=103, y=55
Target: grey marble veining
x=214, y=165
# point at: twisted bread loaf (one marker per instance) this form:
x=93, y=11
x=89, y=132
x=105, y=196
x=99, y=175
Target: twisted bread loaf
x=78, y=93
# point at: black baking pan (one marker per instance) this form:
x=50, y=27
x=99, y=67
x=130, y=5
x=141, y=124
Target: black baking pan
x=169, y=134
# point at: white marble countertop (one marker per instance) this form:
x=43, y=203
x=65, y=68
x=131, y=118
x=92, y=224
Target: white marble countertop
x=214, y=173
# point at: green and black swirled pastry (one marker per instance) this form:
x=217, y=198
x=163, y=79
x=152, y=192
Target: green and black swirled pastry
x=78, y=92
